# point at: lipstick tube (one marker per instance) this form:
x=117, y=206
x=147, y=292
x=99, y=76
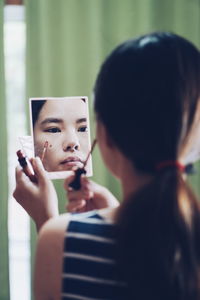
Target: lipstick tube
x=24, y=164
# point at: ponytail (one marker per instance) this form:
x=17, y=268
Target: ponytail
x=158, y=240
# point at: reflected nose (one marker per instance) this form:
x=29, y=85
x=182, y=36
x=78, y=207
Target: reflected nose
x=71, y=143
x=72, y=147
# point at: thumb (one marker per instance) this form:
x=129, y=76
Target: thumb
x=39, y=170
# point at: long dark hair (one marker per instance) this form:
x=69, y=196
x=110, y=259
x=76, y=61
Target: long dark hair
x=146, y=95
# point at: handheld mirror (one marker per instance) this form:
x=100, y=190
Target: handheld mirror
x=61, y=134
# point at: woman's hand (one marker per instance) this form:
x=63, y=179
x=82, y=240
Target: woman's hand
x=90, y=196
x=38, y=199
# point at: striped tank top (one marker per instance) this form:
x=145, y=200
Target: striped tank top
x=89, y=269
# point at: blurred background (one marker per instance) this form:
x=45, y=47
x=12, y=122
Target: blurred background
x=55, y=49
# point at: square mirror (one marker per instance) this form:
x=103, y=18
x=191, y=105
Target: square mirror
x=61, y=133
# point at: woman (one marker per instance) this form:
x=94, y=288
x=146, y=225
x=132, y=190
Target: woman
x=147, y=107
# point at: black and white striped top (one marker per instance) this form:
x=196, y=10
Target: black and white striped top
x=89, y=268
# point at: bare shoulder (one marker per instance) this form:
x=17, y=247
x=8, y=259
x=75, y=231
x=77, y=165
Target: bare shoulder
x=49, y=255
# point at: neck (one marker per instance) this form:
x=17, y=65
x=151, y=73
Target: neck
x=131, y=179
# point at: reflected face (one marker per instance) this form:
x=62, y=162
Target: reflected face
x=62, y=127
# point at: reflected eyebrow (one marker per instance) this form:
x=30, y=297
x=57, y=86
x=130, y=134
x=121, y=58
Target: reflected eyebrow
x=81, y=120
x=57, y=120
x=51, y=120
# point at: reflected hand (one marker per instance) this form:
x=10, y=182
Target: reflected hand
x=38, y=199
x=90, y=196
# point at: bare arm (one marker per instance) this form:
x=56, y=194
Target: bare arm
x=48, y=262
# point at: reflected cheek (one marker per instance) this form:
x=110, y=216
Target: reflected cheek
x=39, y=144
x=49, y=160
x=84, y=145
x=38, y=147
x=49, y=157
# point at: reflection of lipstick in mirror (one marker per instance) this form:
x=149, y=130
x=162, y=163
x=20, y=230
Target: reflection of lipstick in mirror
x=44, y=150
x=76, y=183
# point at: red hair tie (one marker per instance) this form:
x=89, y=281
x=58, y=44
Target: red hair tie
x=170, y=163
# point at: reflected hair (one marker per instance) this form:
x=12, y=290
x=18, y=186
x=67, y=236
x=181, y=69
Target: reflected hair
x=152, y=84
x=36, y=106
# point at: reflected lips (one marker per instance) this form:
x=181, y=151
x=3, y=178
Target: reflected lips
x=71, y=161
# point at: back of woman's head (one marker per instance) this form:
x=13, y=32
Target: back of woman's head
x=146, y=89
x=147, y=95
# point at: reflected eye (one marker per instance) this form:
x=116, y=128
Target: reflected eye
x=83, y=129
x=52, y=130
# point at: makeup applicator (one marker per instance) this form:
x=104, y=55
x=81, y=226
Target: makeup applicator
x=76, y=183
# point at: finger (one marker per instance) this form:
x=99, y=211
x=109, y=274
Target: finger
x=18, y=172
x=84, y=180
x=87, y=188
x=75, y=205
x=86, y=183
x=20, y=175
x=23, y=184
x=74, y=195
x=39, y=170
